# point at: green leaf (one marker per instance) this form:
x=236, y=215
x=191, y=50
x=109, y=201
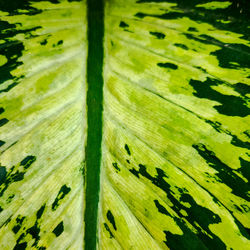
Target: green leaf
x=124, y=124
x=43, y=84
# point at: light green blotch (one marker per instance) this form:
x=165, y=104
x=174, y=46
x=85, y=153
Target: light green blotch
x=11, y=105
x=3, y=13
x=225, y=90
x=214, y=5
x=224, y=21
x=3, y=60
x=44, y=83
x=230, y=235
x=183, y=212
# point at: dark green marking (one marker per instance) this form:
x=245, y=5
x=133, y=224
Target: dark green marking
x=237, y=13
x=127, y=149
x=95, y=18
x=3, y=174
x=239, y=143
x=180, y=45
x=247, y=133
x=111, y=219
x=3, y=121
x=230, y=105
x=7, y=221
x=167, y=65
x=58, y=230
x=196, y=214
x=233, y=57
x=18, y=225
x=61, y=194
x=161, y=208
x=108, y=229
x=11, y=52
x=198, y=67
x=192, y=29
x=17, y=6
x=27, y=161
x=34, y=231
x=244, y=230
x=16, y=173
x=1, y=110
x=223, y=172
x=12, y=85
x=12, y=48
x=44, y=42
x=60, y=42
x=186, y=241
x=123, y=25
x=158, y=35
x=20, y=246
x=245, y=168
x=134, y=172
x=140, y=15
x=40, y=211
x=2, y=143
x=10, y=198
x=229, y=55
x=242, y=88
x=115, y=165
x=235, y=140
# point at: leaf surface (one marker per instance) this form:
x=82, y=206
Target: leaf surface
x=43, y=49
x=174, y=169
x=175, y=141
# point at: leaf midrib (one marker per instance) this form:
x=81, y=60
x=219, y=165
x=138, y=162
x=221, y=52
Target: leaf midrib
x=95, y=19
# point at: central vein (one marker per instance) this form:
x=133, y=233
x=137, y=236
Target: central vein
x=94, y=113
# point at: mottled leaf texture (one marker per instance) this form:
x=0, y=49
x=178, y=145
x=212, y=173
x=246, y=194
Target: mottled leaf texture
x=42, y=100
x=174, y=130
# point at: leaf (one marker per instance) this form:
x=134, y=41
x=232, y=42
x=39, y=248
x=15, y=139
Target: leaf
x=175, y=144
x=42, y=101
x=164, y=143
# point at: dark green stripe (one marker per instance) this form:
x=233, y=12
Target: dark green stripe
x=94, y=114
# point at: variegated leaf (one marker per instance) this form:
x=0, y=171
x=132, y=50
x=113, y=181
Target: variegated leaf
x=171, y=148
